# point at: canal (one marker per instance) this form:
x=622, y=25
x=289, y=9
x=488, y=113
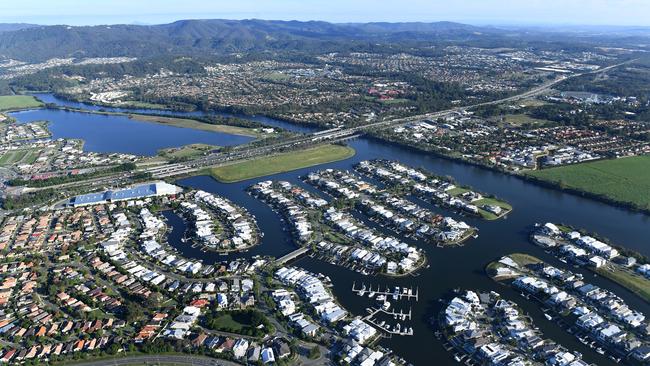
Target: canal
x=449, y=268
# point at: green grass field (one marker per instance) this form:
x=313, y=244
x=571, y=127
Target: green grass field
x=493, y=202
x=281, y=163
x=521, y=119
x=247, y=322
x=624, y=180
x=457, y=191
x=26, y=156
x=628, y=279
x=234, y=322
x=188, y=151
x=12, y=102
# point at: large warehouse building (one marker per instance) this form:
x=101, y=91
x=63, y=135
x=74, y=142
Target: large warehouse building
x=136, y=192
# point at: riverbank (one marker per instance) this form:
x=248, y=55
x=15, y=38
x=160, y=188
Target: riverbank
x=523, y=176
x=195, y=124
x=158, y=109
x=192, y=123
x=280, y=163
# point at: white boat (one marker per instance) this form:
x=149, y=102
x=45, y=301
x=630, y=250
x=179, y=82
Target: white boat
x=548, y=316
x=371, y=294
x=385, y=306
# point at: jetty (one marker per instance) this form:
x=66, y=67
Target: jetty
x=398, y=293
x=387, y=328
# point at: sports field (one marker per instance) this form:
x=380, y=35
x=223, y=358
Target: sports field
x=624, y=180
x=25, y=156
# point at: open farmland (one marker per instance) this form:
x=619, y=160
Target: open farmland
x=625, y=180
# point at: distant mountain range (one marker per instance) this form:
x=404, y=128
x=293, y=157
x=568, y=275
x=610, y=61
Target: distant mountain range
x=9, y=27
x=208, y=37
x=33, y=43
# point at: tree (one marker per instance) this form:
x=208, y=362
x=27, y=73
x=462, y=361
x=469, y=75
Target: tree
x=314, y=352
x=133, y=312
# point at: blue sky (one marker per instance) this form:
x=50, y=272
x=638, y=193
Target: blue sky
x=538, y=12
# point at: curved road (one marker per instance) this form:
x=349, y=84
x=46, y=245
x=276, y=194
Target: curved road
x=160, y=359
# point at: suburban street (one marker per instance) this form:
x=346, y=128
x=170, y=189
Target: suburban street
x=160, y=360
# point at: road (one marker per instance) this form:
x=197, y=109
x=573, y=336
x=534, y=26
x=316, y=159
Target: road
x=245, y=152
x=160, y=359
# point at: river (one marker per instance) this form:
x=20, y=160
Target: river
x=450, y=268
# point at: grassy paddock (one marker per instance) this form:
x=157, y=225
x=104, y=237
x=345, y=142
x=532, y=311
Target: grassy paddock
x=625, y=180
x=281, y=163
x=13, y=102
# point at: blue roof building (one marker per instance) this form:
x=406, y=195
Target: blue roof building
x=136, y=192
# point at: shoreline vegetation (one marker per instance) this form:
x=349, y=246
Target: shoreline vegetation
x=195, y=124
x=230, y=125
x=280, y=163
x=185, y=107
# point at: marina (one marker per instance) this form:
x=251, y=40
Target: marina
x=397, y=293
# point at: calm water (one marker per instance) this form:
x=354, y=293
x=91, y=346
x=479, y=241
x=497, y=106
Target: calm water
x=49, y=98
x=449, y=268
x=107, y=134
